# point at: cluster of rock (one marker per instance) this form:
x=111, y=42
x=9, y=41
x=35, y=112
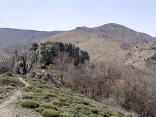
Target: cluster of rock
x=143, y=58
x=45, y=53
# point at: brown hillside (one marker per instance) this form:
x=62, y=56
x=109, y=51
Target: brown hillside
x=98, y=48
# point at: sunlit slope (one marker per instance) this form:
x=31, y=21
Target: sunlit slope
x=98, y=48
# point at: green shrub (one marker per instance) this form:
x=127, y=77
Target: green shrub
x=50, y=95
x=50, y=113
x=8, y=74
x=56, y=102
x=10, y=81
x=64, y=114
x=29, y=89
x=48, y=106
x=95, y=111
x=45, y=57
x=29, y=104
x=86, y=103
x=39, y=109
x=153, y=57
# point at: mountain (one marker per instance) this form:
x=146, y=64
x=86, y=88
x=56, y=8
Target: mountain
x=106, y=42
x=9, y=36
x=129, y=37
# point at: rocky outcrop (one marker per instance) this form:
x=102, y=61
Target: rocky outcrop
x=143, y=57
x=45, y=53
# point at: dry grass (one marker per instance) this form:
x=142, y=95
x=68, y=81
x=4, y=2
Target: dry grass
x=98, y=48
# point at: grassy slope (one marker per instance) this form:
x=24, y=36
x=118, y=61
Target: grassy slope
x=8, y=84
x=98, y=48
x=65, y=102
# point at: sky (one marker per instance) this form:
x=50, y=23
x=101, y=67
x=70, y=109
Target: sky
x=50, y=15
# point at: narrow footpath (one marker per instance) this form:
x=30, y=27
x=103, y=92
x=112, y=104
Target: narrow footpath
x=5, y=107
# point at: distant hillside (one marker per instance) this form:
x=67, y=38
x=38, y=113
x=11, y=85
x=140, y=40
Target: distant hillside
x=9, y=36
x=129, y=37
x=17, y=39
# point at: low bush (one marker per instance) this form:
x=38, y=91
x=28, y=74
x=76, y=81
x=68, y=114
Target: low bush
x=153, y=57
x=56, y=102
x=64, y=114
x=48, y=106
x=8, y=74
x=50, y=113
x=10, y=81
x=29, y=104
x=39, y=109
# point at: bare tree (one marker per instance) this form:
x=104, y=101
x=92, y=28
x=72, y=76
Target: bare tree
x=140, y=97
x=6, y=64
x=60, y=63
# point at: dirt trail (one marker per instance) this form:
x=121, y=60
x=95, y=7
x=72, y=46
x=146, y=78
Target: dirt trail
x=24, y=82
x=5, y=108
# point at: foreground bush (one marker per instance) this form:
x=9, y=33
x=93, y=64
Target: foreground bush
x=29, y=104
x=50, y=113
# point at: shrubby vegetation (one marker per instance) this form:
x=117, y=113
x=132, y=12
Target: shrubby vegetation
x=29, y=104
x=63, y=102
x=153, y=57
x=8, y=84
x=50, y=113
x=140, y=97
x=114, y=85
x=107, y=83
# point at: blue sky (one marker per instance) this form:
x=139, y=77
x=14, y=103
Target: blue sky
x=50, y=15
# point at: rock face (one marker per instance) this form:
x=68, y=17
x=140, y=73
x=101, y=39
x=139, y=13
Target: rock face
x=143, y=57
x=45, y=54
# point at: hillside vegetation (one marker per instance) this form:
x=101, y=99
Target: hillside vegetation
x=63, y=102
x=76, y=73
x=66, y=65
x=8, y=85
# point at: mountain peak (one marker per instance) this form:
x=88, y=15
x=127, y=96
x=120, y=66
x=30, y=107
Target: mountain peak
x=112, y=24
x=129, y=37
